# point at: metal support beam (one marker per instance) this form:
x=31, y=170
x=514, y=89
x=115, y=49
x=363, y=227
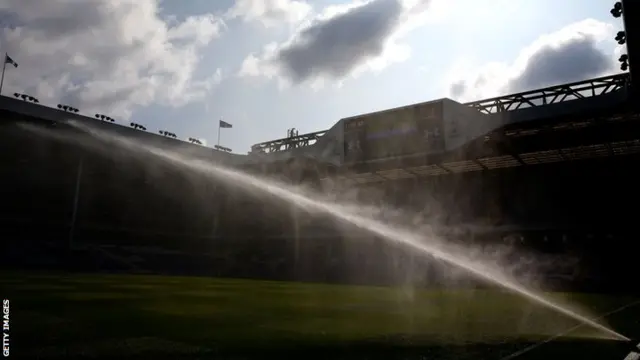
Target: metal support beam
x=553, y=94
x=287, y=143
x=546, y=96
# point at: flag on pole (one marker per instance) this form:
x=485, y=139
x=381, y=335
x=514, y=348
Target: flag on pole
x=225, y=125
x=10, y=61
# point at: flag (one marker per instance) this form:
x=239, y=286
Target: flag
x=225, y=125
x=9, y=60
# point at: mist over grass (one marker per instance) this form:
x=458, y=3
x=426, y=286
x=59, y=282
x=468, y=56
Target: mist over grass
x=494, y=265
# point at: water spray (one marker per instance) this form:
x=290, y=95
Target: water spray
x=631, y=344
x=392, y=234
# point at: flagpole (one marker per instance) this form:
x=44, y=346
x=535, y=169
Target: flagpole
x=218, y=133
x=4, y=66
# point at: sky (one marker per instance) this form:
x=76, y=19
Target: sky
x=269, y=65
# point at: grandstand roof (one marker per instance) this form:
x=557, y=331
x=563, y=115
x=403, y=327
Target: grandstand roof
x=552, y=102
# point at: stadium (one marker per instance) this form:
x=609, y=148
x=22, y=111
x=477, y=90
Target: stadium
x=550, y=170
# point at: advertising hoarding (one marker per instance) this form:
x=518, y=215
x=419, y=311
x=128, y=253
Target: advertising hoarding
x=397, y=132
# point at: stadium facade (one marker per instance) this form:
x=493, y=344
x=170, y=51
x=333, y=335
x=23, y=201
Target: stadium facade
x=550, y=169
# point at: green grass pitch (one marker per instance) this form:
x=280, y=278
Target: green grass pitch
x=132, y=316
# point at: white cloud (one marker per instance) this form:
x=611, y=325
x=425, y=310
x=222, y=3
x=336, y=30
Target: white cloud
x=270, y=13
x=341, y=41
x=575, y=52
x=106, y=56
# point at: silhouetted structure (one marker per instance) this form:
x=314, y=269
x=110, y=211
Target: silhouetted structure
x=548, y=170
